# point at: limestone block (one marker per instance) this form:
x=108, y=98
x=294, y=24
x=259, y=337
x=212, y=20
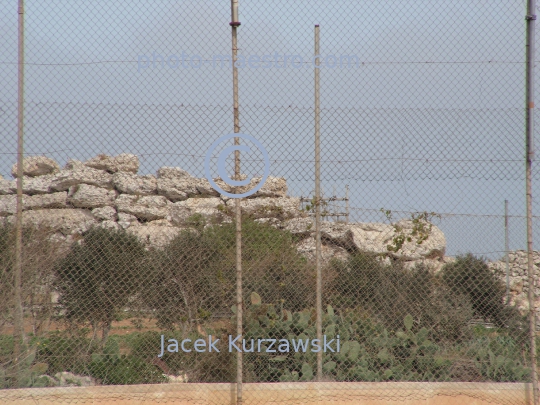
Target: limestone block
x=36, y=166
x=137, y=185
x=125, y=162
x=87, y=196
x=147, y=208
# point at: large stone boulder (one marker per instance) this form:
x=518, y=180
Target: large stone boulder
x=36, y=166
x=40, y=201
x=338, y=234
x=147, y=208
x=34, y=185
x=7, y=186
x=125, y=162
x=371, y=237
x=205, y=188
x=87, y=196
x=307, y=248
x=155, y=234
x=65, y=221
x=332, y=233
x=127, y=220
x=434, y=247
x=105, y=213
x=303, y=226
x=175, y=183
x=8, y=205
x=176, y=189
x=212, y=207
x=282, y=208
x=273, y=186
x=80, y=174
x=73, y=164
x=109, y=224
x=173, y=173
x=377, y=238
x=137, y=185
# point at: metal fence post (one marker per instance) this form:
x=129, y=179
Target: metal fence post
x=529, y=156
x=18, y=310
x=318, y=202
x=238, y=208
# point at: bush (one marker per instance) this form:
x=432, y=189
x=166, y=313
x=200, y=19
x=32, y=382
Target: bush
x=194, y=276
x=66, y=352
x=125, y=370
x=391, y=292
x=371, y=352
x=99, y=276
x=472, y=277
x=38, y=259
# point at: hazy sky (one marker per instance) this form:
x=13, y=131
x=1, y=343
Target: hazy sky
x=431, y=119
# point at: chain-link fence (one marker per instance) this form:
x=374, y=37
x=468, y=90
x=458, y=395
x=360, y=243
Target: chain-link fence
x=391, y=264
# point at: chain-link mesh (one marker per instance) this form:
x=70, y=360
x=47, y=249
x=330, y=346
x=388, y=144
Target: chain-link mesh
x=129, y=268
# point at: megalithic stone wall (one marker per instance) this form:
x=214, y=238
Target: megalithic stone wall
x=106, y=191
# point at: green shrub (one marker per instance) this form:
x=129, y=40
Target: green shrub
x=192, y=278
x=38, y=259
x=124, y=370
x=98, y=277
x=391, y=292
x=7, y=344
x=472, y=277
x=497, y=358
x=371, y=352
x=63, y=351
x=26, y=374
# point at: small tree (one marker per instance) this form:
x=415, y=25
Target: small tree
x=99, y=276
x=38, y=259
x=187, y=279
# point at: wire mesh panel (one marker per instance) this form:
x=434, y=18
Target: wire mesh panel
x=152, y=226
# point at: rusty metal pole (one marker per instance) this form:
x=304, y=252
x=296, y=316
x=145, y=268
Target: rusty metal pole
x=18, y=310
x=238, y=207
x=318, y=204
x=529, y=157
x=507, y=252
